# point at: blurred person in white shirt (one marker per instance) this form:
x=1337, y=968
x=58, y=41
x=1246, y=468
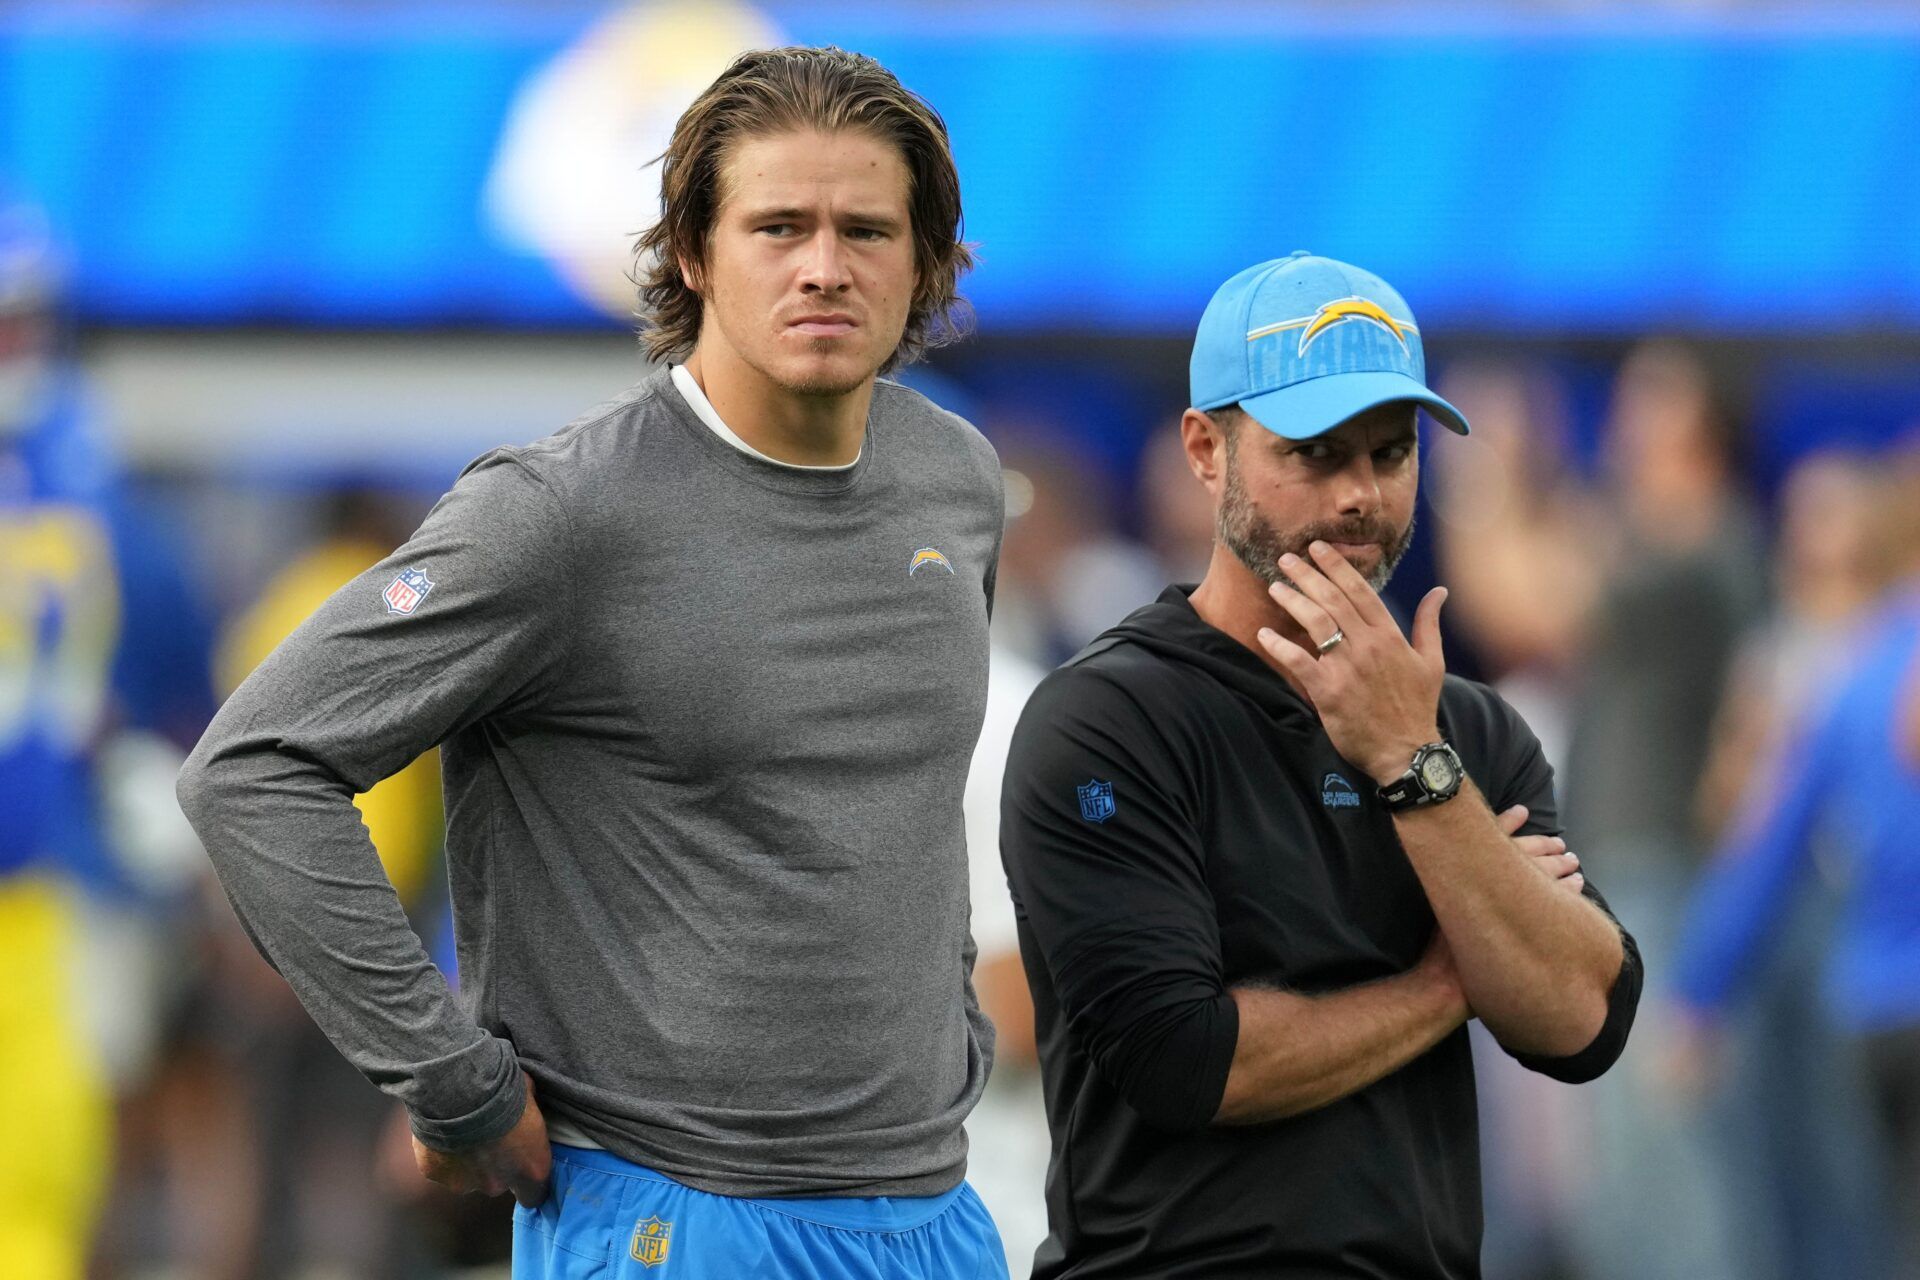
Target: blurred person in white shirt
x=1007, y=1132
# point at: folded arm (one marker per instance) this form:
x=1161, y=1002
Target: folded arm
x=1297, y=1052
x=1537, y=963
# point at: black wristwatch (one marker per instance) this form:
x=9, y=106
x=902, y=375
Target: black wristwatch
x=1433, y=778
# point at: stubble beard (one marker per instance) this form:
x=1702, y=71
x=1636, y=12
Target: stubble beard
x=1258, y=545
x=825, y=380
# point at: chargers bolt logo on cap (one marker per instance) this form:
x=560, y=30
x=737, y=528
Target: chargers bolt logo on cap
x=1304, y=343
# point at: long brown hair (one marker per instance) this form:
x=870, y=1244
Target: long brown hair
x=772, y=91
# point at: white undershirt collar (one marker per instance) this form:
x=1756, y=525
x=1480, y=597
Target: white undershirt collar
x=703, y=409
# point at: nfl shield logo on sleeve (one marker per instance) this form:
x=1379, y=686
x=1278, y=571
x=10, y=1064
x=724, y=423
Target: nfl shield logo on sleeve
x=404, y=594
x=1096, y=800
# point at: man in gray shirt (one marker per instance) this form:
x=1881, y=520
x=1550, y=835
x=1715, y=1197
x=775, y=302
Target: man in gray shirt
x=707, y=667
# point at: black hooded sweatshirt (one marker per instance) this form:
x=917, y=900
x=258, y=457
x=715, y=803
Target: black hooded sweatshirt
x=1175, y=823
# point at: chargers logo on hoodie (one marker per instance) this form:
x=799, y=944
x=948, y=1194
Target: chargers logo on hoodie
x=1337, y=793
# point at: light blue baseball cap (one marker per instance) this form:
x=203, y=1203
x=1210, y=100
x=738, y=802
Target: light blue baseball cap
x=1304, y=343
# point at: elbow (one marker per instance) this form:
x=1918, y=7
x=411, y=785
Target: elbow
x=199, y=786
x=209, y=789
x=1592, y=1057
x=1564, y=1029
x=1172, y=1066
x=1588, y=1062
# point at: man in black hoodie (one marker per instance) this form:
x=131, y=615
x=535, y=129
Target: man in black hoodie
x=1269, y=858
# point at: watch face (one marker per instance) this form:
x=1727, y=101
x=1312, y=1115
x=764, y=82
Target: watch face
x=1437, y=772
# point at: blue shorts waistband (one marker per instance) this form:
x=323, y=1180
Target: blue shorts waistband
x=850, y=1213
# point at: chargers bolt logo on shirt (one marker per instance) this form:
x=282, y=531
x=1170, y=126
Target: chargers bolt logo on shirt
x=1337, y=793
x=404, y=594
x=651, y=1240
x=1096, y=800
x=926, y=556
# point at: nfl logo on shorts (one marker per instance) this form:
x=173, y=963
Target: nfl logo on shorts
x=404, y=594
x=651, y=1240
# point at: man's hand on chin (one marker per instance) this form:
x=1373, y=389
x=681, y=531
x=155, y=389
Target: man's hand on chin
x=1377, y=695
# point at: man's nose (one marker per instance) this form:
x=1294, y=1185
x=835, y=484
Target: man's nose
x=824, y=268
x=1359, y=488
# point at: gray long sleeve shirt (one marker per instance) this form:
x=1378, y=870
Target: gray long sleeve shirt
x=705, y=724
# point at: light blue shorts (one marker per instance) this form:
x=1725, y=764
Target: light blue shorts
x=607, y=1217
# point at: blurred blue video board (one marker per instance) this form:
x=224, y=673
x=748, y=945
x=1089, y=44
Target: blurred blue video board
x=252, y=165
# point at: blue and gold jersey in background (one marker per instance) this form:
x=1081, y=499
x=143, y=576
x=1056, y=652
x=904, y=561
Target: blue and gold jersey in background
x=59, y=621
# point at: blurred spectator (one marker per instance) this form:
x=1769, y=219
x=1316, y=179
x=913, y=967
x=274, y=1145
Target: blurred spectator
x=1677, y=580
x=1515, y=518
x=1847, y=780
x=1007, y=1132
x=1797, y=1147
x=1515, y=539
x=1066, y=572
x=1829, y=563
x=1176, y=514
x=59, y=619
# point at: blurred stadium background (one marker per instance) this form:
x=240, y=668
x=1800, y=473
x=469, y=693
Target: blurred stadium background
x=270, y=273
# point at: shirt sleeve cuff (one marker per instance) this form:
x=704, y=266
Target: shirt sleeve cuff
x=505, y=1100
x=1173, y=1067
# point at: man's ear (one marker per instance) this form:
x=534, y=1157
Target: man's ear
x=690, y=273
x=1204, y=440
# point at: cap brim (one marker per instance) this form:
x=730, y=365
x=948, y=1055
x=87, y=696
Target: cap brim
x=1315, y=407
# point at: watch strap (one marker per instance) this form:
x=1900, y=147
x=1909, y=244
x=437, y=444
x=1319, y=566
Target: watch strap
x=1404, y=792
x=1410, y=789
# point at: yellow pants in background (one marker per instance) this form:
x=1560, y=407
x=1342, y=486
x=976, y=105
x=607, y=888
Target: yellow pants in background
x=55, y=1115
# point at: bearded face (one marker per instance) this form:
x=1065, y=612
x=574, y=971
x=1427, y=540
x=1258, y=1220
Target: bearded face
x=1258, y=543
